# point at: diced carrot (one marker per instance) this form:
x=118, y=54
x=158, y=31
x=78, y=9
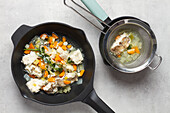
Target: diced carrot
x=137, y=50
x=82, y=72
x=131, y=51
x=42, y=66
x=64, y=39
x=32, y=76
x=51, y=46
x=60, y=44
x=31, y=46
x=55, y=43
x=50, y=39
x=44, y=35
x=64, y=47
x=45, y=47
x=51, y=79
x=39, y=64
x=117, y=37
x=27, y=51
x=75, y=67
x=42, y=87
x=69, y=46
x=46, y=74
x=57, y=58
x=61, y=74
x=118, y=56
x=67, y=82
x=63, y=62
x=54, y=35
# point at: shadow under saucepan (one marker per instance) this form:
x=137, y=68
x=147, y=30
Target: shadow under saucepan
x=131, y=78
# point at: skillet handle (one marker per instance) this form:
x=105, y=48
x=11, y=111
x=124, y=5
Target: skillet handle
x=96, y=103
x=19, y=33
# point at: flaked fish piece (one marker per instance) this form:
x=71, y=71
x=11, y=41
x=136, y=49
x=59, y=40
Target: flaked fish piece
x=121, y=43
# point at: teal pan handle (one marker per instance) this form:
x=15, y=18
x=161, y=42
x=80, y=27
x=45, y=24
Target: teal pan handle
x=95, y=9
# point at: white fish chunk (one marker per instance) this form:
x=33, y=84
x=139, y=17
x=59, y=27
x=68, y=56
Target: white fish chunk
x=35, y=85
x=29, y=59
x=34, y=70
x=120, y=44
x=76, y=56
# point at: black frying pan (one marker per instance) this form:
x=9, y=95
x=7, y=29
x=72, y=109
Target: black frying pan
x=84, y=92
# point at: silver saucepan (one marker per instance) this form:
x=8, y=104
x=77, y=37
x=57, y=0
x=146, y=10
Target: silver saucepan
x=112, y=28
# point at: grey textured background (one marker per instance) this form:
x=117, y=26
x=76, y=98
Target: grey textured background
x=143, y=92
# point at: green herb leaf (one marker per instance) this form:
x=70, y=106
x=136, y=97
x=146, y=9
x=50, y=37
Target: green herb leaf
x=59, y=69
x=131, y=36
x=33, y=49
x=69, y=60
x=130, y=47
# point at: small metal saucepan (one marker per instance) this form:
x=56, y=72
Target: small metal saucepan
x=112, y=28
x=83, y=92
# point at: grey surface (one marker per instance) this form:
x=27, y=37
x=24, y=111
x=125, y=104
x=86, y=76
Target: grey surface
x=143, y=92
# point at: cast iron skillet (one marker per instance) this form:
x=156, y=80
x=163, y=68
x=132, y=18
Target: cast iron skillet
x=84, y=92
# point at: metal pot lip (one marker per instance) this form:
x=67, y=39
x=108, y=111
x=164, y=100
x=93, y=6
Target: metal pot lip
x=140, y=23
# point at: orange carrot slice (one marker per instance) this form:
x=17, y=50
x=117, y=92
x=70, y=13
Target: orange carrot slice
x=131, y=51
x=69, y=46
x=51, y=46
x=117, y=37
x=45, y=47
x=60, y=44
x=137, y=50
x=64, y=39
x=55, y=43
x=64, y=47
x=118, y=56
x=32, y=76
x=54, y=35
x=67, y=82
x=61, y=74
x=51, y=79
x=44, y=35
x=42, y=66
x=57, y=58
x=46, y=74
x=27, y=51
x=82, y=72
x=63, y=62
x=75, y=67
x=50, y=39
x=31, y=46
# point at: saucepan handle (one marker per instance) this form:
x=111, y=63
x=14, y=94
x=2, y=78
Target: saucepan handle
x=155, y=67
x=96, y=103
x=95, y=9
x=19, y=33
x=93, y=6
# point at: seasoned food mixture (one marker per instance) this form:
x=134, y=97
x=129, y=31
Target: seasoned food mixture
x=52, y=64
x=126, y=47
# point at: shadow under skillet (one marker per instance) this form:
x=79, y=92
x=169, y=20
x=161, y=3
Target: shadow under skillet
x=75, y=107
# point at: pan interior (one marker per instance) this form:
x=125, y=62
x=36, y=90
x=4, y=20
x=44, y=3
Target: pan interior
x=78, y=39
x=148, y=43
